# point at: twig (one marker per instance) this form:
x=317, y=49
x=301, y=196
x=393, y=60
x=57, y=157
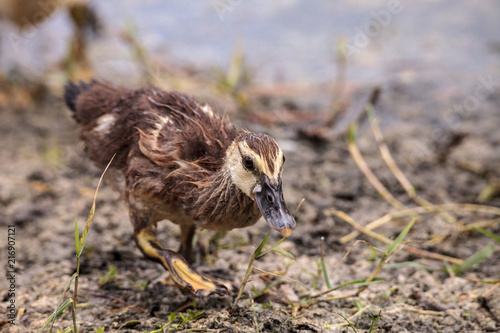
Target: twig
x=298, y=207
x=480, y=224
x=396, y=171
x=432, y=255
x=116, y=299
x=334, y=298
x=365, y=169
x=279, y=276
x=359, y=312
x=419, y=210
x=490, y=291
x=422, y=312
x=365, y=230
x=361, y=228
x=386, y=155
x=375, y=93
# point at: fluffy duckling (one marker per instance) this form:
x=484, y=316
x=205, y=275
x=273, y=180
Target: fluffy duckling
x=184, y=163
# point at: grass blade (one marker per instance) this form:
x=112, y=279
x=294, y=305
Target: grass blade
x=360, y=282
x=325, y=274
x=77, y=238
x=66, y=288
x=284, y=253
x=257, y=253
x=400, y=238
x=489, y=281
x=79, y=247
x=90, y=218
x=374, y=322
x=261, y=254
x=323, y=265
x=487, y=233
x=249, y=269
x=473, y=260
x=352, y=132
x=55, y=314
x=348, y=323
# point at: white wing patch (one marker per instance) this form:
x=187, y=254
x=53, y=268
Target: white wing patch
x=105, y=123
x=207, y=109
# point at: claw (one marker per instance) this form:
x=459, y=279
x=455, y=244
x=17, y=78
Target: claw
x=183, y=274
x=180, y=271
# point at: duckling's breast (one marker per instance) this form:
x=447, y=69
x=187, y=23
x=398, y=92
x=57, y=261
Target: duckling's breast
x=233, y=220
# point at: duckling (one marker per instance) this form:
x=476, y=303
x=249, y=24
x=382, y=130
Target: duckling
x=183, y=163
x=26, y=14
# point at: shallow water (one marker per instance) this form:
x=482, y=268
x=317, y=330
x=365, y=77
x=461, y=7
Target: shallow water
x=290, y=40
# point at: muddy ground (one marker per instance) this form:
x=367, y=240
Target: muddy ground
x=46, y=182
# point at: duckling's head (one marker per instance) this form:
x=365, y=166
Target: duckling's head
x=255, y=162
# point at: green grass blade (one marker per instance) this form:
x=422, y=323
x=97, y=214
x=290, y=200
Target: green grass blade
x=360, y=282
x=249, y=269
x=272, y=248
x=487, y=233
x=275, y=249
x=66, y=288
x=85, y=232
x=374, y=322
x=473, y=260
x=351, y=133
x=90, y=218
x=325, y=275
x=400, y=238
x=489, y=281
x=77, y=238
x=349, y=324
x=54, y=315
x=370, y=111
x=258, y=251
x=284, y=253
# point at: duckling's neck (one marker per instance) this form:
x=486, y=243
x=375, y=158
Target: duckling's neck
x=222, y=205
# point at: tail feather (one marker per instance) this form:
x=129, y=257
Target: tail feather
x=71, y=92
x=104, y=130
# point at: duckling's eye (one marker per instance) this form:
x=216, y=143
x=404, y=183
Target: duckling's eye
x=283, y=160
x=248, y=163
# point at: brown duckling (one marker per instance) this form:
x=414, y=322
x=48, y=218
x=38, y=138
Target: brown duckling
x=181, y=162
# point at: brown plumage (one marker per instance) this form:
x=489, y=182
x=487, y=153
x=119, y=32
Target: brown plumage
x=181, y=162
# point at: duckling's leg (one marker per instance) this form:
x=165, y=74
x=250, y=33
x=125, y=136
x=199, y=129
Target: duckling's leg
x=181, y=272
x=84, y=20
x=187, y=234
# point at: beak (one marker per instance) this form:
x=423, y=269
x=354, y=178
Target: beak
x=271, y=203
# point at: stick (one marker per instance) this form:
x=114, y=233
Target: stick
x=365, y=169
x=396, y=171
x=419, y=210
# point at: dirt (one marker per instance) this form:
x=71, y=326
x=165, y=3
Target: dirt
x=47, y=181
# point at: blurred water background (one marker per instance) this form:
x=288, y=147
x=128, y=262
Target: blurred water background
x=288, y=41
